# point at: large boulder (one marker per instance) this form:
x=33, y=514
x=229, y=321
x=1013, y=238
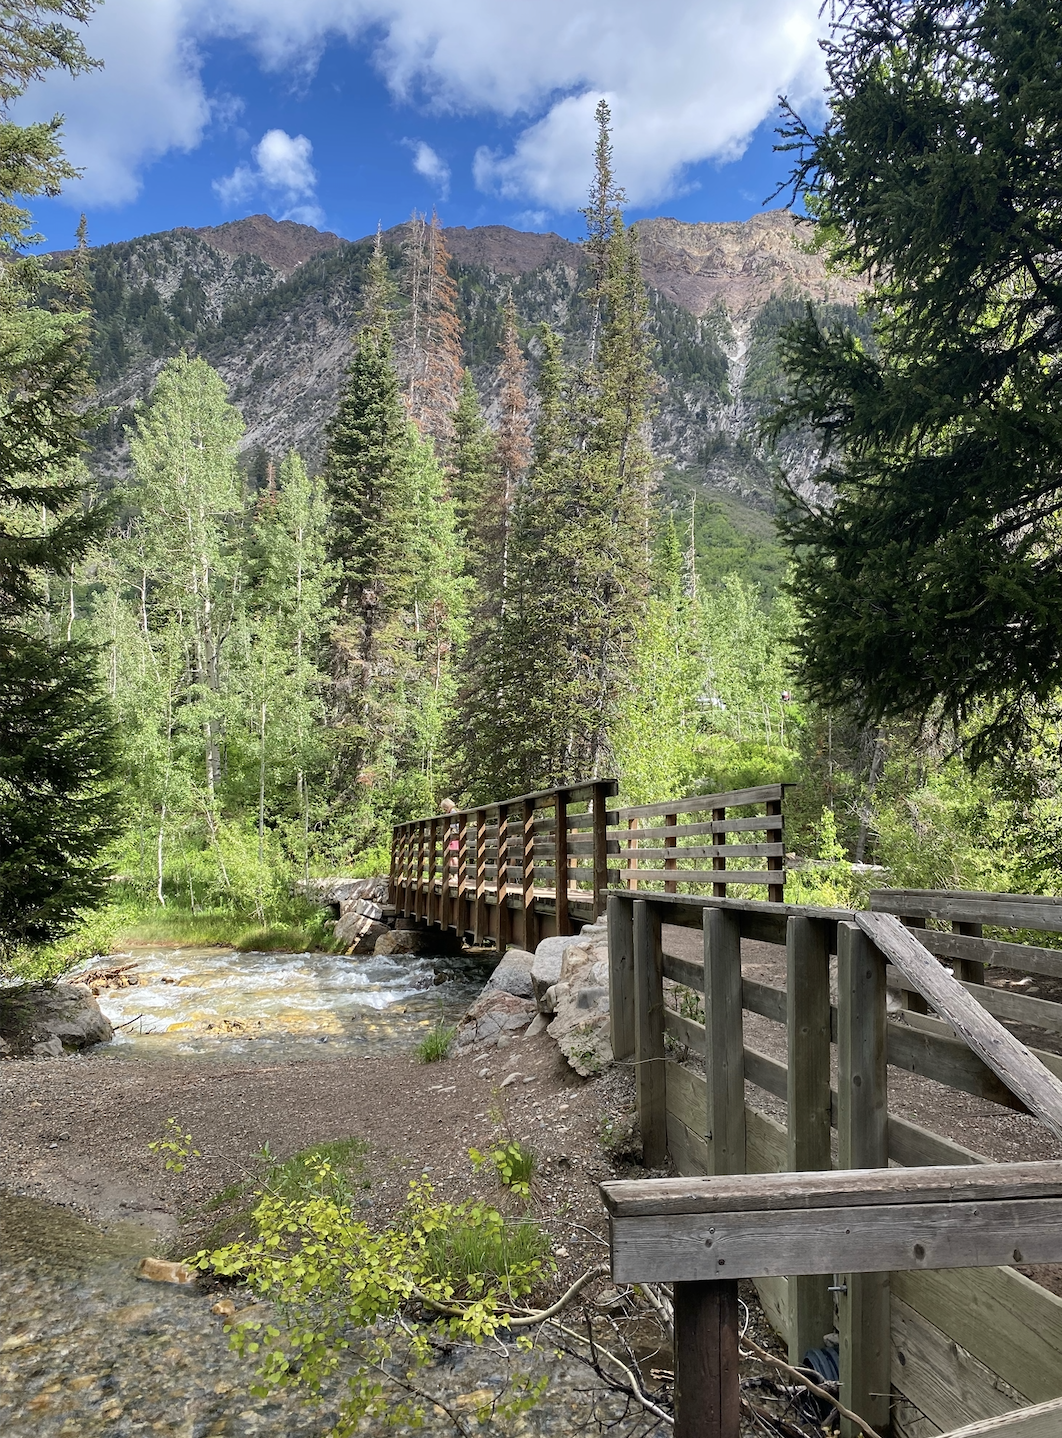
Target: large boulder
x=494, y=1014
x=358, y=932
x=513, y=974
x=409, y=941
x=579, y=1002
x=48, y=1020
x=548, y=967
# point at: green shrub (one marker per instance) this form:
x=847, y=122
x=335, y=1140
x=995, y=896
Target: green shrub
x=514, y=1162
x=436, y=1043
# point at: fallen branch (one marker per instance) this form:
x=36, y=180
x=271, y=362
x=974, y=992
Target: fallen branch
x=765, y=1357
x=522, y=1317
x=635, y=1388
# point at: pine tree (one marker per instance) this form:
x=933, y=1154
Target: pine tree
x=434, y=362
x=58, y=758
x=398, y=590
x=473, y=462
x=513, y=445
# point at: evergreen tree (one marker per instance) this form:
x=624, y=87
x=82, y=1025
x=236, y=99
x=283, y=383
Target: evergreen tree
x=472, y=458
x=434, y=361
x=190, y=499
x=932, y=582
x=57, y=742
x=398, y=591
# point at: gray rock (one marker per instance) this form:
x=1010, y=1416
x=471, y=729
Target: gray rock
x=50, y=1048
x=368, y=908
x=494, y=1013
x=513, y=974
x=547, y=966
x=32, y=1015
x=407, y=941
x=358, y=933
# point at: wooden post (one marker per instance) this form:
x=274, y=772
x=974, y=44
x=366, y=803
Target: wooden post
x=719, y=862
x=503, y=915
x=724, y=1058
x=707, y=1383
x=479, y=923
x=862, y=1089
x=462, y=873
x=808, y=1107
x=621, y=976
x=432, y=909
x=392, y=876
x=776, y=892
x=527, y=880
x=970, y=971
x=601, y=793
x=560, y=862
x=670, y=842
x=649, y=1034
x=418, y=909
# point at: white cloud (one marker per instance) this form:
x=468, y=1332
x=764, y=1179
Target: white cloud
x=688, y=80
x=282, y=171
x=428, y=163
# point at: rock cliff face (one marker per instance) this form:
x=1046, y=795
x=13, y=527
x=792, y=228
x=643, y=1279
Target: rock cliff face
x=272, y=304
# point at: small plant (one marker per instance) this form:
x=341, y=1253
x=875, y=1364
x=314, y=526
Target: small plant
x=691, y=1005
x=514, y=1162
x=436, y=1043
x=441, y=1271
x=175, y=1146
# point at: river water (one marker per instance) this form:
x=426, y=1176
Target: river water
x=216, y=1003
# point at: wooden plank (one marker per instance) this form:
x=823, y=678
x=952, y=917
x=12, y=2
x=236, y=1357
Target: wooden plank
x=710, y=851
x=1004, y=1319
x=1042, y=1421
x=937, y=1028
x=686, y=1031
x=668, y=854
x=479, y=921
x=706, y=876
x=529, y=929
x=784, y=1192
x=1023, y=1074
x=561, y=877
x=776, y=891
x=649, y=1036
x=599, y=816
x=697, y=803
x=912, y=1145
x=505, y=918
x=1010, y=1004
x=863, y=1142
x=808, y=1107
x=1004, y=911
x=688, y=1150
x=862, y=1240
x=724, y=1046
x=767, y=823
x=939, y=1377
x=937, y=1054
x=621, y=978
x=707, y=1379
x=1026, y=958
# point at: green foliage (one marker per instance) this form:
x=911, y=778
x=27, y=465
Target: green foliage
x=174, y=1148
x=436, y=1043
x=58, y=806
x=932, y=580
x=514, y=1162
x=329, y=1274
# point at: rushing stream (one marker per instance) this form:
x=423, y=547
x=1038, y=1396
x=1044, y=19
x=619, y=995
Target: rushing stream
x=217, y=1003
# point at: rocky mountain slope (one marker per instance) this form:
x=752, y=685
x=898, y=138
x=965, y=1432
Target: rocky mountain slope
x=271, y=304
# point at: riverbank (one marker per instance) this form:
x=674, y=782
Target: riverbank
x=77, y=1132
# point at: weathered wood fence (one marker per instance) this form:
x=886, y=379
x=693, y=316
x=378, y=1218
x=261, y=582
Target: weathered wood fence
x=925, y=1350
x=492, y=871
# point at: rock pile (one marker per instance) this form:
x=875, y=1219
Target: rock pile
x=47, y=1020
x=360, y=907
x=562, y=986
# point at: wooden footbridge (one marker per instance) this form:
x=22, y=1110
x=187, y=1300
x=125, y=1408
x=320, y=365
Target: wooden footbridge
x=492, y=872
x=879, y=1054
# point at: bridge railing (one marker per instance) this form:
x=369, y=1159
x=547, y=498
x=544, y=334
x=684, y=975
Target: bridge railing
x=737, y=1075
x=519, y=869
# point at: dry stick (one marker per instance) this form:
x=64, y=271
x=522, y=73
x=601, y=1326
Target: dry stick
x=766, y=1357
x=527, y=1317
x=636, y=1389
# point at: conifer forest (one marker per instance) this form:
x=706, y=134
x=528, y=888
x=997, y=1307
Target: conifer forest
x=485, y=574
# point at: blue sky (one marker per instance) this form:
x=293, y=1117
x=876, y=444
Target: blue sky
x=346, y=113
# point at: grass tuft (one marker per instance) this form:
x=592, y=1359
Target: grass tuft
x=437, y=1043
x=462, y=1251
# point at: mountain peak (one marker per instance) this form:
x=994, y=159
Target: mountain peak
x=283, y=244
